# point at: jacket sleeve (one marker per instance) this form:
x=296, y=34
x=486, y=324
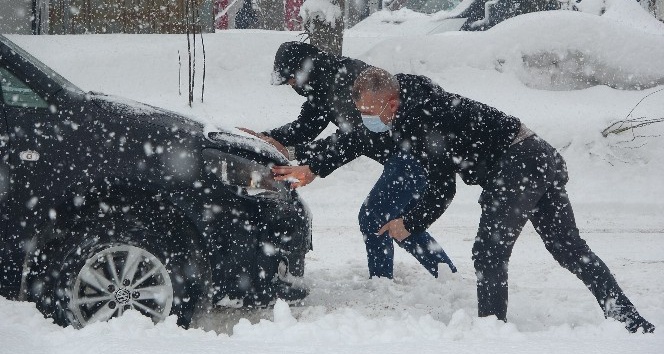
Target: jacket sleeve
x=308, y=125
x=432, y=204
x=324, y=156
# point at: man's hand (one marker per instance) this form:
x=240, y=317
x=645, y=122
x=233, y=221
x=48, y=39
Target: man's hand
x=268, y=140
x=395, y=229
x=298, y=176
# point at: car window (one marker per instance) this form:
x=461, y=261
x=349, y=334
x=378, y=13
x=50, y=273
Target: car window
x=432, y=6
x=61, y=81
x=17, y=94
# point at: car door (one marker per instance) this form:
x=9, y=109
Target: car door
x=4, y=170
x=29, y=150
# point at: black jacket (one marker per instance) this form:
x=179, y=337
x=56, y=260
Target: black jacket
x=449, y=134
x=326, y=81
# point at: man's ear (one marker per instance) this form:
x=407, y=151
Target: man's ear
x=357, y=101
x=393, y=104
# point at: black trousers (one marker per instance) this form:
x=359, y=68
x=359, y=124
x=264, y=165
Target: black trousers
x=528, y=183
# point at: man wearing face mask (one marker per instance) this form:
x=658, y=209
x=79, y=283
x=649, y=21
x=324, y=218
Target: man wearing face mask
x=522, y=177
x=326, y=81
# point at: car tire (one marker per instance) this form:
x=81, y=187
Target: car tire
x=78, y=286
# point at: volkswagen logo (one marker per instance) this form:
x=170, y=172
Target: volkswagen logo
x=122, y=296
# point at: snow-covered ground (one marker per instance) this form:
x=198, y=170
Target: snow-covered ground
x=616, y=188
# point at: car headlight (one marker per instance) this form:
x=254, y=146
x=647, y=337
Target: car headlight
x=247, y=177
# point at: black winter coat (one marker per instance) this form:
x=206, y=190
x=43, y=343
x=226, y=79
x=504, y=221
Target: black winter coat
x=327, y=87
x=449, y=134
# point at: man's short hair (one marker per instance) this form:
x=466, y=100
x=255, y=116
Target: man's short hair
x=374, y=80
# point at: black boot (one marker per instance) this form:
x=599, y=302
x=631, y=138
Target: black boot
x=624, y=311
x=492, y=293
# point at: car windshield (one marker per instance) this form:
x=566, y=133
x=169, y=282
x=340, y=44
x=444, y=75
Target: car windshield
x=430, y=6
x=64, y=83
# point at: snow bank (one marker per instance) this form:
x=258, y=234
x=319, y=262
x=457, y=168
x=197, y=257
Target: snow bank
x=344, y=331
x=24, y=330
x=558, y=50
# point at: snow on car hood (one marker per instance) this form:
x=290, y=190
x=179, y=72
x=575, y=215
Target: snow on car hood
x=156, y=115
x=219, y=135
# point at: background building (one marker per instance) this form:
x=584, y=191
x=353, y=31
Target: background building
x=23, y=16
x=280, y=15
x=104, y=16
x=170, y=16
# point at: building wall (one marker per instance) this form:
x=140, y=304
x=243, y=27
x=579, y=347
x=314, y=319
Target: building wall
x=275, y=15
x=126, y=16
x=15, y=16
x=271, y=14
x=284, y=14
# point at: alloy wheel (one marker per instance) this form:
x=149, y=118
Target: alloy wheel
x=117, y=279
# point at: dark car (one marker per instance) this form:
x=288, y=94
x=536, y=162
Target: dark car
x=108, y=205
x=471, y=15
x=484, y=14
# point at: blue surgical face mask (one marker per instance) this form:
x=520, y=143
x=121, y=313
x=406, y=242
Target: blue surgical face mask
x=373, y=122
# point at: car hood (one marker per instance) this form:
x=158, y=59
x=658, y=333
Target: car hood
x=213, y=135
x=144, y=112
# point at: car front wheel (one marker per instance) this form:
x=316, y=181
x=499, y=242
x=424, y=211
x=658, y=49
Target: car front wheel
x=106, y=266
x=117, y=278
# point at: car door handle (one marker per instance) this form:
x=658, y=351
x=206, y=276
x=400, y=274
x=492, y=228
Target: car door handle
x=29, y=155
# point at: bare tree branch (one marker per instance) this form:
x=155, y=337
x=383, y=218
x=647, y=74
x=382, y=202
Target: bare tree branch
x=204, y=68
x=629, y=124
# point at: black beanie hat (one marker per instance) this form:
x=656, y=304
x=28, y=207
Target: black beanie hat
x=291, y=59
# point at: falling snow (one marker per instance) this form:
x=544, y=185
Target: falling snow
x=615, y=185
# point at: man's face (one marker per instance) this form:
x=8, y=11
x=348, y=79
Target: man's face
x=378, y=104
